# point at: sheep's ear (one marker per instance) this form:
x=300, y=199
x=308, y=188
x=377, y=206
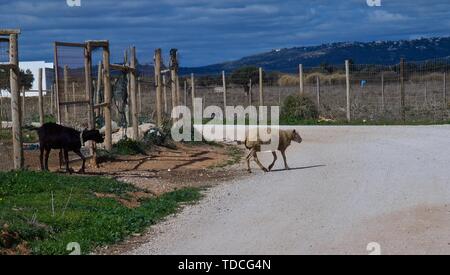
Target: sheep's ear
x=294, y=131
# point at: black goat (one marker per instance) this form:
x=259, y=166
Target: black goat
x=54, y=136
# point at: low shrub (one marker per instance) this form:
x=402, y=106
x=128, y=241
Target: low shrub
x=297, y=107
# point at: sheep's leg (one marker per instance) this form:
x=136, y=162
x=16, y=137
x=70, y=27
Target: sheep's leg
x=274, y=153
x=255, y=156
x=83, y=166
x=66, y=159
x=248, y=160
x=47, y=155
x=285, y=160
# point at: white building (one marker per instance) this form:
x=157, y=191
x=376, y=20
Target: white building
x=34, y=66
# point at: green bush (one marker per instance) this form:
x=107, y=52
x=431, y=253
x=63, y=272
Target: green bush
x=296, y=108
x=128, y=146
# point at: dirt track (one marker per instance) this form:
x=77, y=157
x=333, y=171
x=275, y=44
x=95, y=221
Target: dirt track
x=350, y=186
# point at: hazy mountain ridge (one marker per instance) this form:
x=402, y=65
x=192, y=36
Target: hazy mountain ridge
x=377, y=52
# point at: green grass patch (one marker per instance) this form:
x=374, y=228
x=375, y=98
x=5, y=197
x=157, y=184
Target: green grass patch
x=79, y=215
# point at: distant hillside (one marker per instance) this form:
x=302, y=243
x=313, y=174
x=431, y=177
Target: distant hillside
x=378, y=52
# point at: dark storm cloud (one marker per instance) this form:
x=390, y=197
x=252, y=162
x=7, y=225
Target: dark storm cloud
x=218, y=30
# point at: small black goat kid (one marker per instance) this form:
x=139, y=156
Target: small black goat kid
x=54, y=136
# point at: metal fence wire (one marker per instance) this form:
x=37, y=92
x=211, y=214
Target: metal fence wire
x=412, y=91
x=71, y=82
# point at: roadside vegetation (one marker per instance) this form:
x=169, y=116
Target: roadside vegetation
x=41, y=213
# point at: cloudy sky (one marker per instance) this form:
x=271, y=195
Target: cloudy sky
x=212, y=31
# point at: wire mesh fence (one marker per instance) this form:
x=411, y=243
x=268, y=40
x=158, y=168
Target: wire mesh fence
x=71, y=83
x=412, y=91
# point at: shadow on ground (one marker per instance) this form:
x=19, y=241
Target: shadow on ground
x=298, y=168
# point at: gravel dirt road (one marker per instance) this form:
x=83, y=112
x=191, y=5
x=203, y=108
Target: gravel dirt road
x=349, y=186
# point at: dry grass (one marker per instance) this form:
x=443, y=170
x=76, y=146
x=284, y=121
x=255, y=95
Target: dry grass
x=287, y=80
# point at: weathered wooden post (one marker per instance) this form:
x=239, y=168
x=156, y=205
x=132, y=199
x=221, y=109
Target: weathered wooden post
x=402, y=88
x=250, y=91
x=382, y=92
x=1, y=111
x=166, y=103
x=66, y=94
x=173, y=76
x=426, y=92
x=193, y=92
x=89, y=91
x=89, y=97
x=74, y=98
x=185, y=92
x=15, y=101
x=159, y=83
x=347, y=77
x=41, y=99
x=133, y=85
x=224, y=84
x=52, y=100
x=318, y=92
x=445, y=91
x=261, y=88
x=300, y=70
x=108, y=98
x=139, y=95
x=177, y=81
x=99, y=87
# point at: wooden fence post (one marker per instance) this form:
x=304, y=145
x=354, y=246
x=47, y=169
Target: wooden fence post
x=41, y=99
x=250, y=91
x=173, y=72
x=318, y=92
x=89, y=96
x=66, y=94
x=139, y=95
x=177, y=82
x=402, y=88
x=347, y=77
x=23, y=113
x=1, y=111
x=300, y=70
x=426, y=92
x=74, y=98
x=185, y=92
x=166, y=103
x=159, y=83
x=224, y=84
x=445, y=91
x=99, y=86
x=108, y=98
x=52, y=100
x=261, y=88
x=193, y=91
x=382, y=92
x=15, y=103
x=133, y=84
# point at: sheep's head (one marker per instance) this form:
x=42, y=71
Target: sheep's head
x=296, y=137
